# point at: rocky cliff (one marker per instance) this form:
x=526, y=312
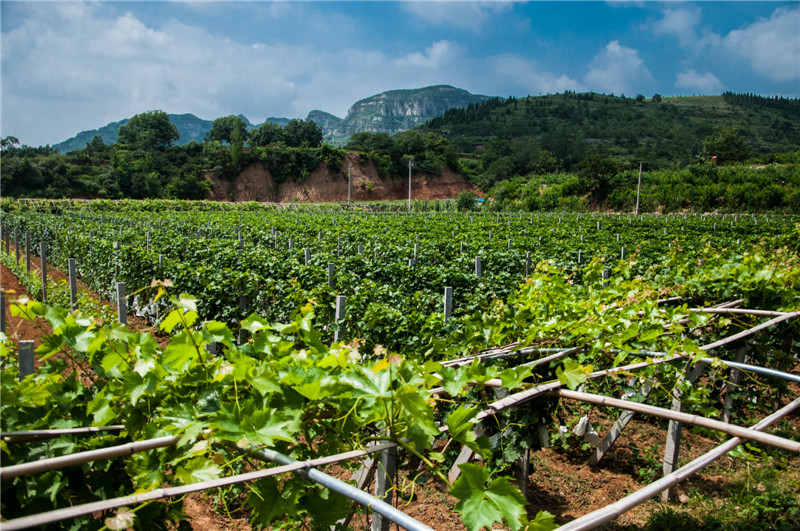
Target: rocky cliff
x=399, y=110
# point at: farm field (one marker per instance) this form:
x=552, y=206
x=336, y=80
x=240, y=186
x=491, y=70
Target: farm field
x=311, y=332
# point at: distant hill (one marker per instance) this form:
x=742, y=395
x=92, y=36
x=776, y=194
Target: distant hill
x=399, y=110
x=326, y=121
x=190, y=127
x=662, y=131
x=390, y=112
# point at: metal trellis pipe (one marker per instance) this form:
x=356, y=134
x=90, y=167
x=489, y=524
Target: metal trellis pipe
x=58, y=515
x=686, y=418
x=359, y=496
x=610, y=512
x=79, y=458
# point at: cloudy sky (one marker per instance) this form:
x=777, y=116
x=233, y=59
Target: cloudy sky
x=73, y=66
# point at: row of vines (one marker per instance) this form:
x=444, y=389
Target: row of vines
x=263, y=294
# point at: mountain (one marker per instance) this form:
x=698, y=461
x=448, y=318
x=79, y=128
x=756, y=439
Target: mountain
x=399, y=110
x=189, y=126
x=389, y=112
x=325, y=120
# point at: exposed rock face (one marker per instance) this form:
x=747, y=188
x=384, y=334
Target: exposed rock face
x=400, y=110
x=256, y=184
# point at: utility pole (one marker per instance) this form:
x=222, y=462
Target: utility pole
x=410, y=163
x=639, y=188
x=348, y=184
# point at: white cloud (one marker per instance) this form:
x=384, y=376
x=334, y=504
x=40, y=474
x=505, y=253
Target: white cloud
x=679, y=23
x=439, y=54
x=464, y=15
x=704, y=83
x=772, y=46
x=529, y=78
x=617, y=69
x=115, y=66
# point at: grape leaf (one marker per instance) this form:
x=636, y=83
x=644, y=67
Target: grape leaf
x=483, y=505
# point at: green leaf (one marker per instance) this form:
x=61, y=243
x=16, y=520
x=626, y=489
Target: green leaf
x=513, y=377
x=313, y=390
x=187, y=302
x=650, y=335
x=181, y=352
x=100, y=409
x=327, y=507
x=483, y=505
x=198, y=469
x=268, y=503
x=418, y=413
x=455, y=380
x=573, y=374
x=463, y=430
x=172, y=320
x=216, y=332
x=544, y=521
x=254, y=323
x=113, y=362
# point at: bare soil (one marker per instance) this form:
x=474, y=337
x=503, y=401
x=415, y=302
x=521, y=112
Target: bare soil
x=255, y=183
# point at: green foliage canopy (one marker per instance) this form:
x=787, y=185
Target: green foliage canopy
x=148, y=130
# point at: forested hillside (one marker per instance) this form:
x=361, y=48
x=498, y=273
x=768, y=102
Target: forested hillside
x=558, y=131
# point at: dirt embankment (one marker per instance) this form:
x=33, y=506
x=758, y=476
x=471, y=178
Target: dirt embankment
x=256, y=184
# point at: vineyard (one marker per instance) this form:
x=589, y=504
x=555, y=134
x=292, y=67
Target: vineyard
x=281, y=347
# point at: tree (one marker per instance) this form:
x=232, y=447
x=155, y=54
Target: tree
x=656, y=98
x=265, y=134
x=148, y=130
x=8, y=142
x=726, y=144
x=595, y=173
x=303, y=133
x=465, y=201
x=224, y=129
x=366, y=142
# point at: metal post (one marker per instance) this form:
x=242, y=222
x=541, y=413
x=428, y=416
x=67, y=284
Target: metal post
x=348, y=184
x=639, y=188
x=410, y=163
x=478, y=266
x=25, y=359
x=448, y=303
x=73, y=284
x=340, y=313
x=2, y=312
x=527, y=264
x=332, y=275
x=28, y=251
x=674, y=429
x=43, y=256
x=384, y=478
x=122, y=307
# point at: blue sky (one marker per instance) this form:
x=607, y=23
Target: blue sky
x=73, y=66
